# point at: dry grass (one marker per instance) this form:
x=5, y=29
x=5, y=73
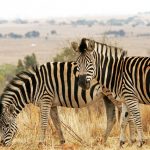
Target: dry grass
x=13, y=49
x=89, y=129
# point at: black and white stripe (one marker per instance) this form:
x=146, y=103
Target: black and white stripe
x=52, y=84
x=127, y=77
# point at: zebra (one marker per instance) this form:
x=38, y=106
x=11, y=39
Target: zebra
x=127, y=77
x=47, y=86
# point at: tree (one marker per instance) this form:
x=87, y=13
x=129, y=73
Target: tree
x=20, y=66
x=30, y=61
x=32, y=34
x=67, y=55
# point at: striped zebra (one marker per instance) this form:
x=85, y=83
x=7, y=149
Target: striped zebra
x=48, y=86
x=127, y=77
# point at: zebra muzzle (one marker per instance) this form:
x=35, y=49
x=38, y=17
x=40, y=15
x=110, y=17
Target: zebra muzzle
x=83, y=83
x=2, y=143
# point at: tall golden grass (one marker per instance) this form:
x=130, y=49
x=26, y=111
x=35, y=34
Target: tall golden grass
x=88, y=126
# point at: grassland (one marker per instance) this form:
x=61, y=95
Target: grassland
x=88, y=126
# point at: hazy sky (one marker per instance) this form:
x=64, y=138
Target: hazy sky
x=35, y=9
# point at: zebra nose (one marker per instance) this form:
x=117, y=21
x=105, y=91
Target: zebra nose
x=83, y=83
x=2, y=143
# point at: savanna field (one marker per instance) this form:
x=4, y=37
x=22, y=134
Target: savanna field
x=83, y=128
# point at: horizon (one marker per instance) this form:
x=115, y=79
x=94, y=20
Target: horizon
x=42, y=9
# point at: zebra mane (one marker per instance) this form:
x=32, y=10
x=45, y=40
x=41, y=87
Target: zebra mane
x=1, y=108
x=92, y=45
x=16, y=78
x=83, y=46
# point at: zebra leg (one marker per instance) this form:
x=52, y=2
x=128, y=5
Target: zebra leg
x=132, y=129
x=133, y=106
x=123, y=124
x=56, y=121
x=111, y=118
x=126, y=118
x=45, y=106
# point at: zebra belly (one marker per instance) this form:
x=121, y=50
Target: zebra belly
x=78, y=97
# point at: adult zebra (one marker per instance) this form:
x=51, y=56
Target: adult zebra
x=52, y=84
x=127, y=77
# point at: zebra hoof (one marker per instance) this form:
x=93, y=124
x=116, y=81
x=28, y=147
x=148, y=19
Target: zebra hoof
x=122, y=143
x=133, y=141
x=41, y=144
x=62, y=142
x=140, y=143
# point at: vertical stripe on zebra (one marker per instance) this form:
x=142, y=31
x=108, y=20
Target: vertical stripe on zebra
x=127, y=77
x=52, y=84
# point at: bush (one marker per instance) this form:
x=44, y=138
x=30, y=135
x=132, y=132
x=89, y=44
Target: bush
x=32, y=34
x=53, y=32
x=29, y=61
x=119, y=33
x=67, y=55
x=20, y=66
x=7, y=71
x=14, y=35
x=20, y=21
x=1, y=35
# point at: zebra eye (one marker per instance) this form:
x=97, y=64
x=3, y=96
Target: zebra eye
x=4, y=129
x=7, y=125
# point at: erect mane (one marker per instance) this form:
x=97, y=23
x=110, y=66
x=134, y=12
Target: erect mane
x=1, y=108
x=83, y=46
x=17, y=77
x=85, y=43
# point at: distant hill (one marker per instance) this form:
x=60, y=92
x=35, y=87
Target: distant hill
x=140, y=19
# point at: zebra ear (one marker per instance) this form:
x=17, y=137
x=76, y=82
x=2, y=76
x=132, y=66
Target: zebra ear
x=124, y=54
x=83, y=45
x=75, y=46
x=91, y=45
x=10, y=109
x=1, y=108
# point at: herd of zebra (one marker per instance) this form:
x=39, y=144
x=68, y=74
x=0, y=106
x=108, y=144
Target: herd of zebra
x=100, y=68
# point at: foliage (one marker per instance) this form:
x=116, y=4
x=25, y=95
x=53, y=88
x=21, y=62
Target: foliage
x=29, y=61
x=53, y=32
x=51, y=22
x=84, y=22
x=67, y=55
x=14, y=35
x=6, y=73
x=32, y=34
x=119, y=33
x=7, y=69
x=20, y=66
x=20, y=21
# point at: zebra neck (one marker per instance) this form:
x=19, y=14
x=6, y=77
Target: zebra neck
x=111, y=74
x=19, y=92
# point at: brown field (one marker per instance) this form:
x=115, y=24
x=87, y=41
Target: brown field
x=13, y=49
x=88, y=127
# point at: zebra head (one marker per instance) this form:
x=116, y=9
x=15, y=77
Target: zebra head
x=86, y=62
x=8, y=126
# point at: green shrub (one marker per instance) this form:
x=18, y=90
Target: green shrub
x=7, y=71
x=67, y=55
x=29, y=61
